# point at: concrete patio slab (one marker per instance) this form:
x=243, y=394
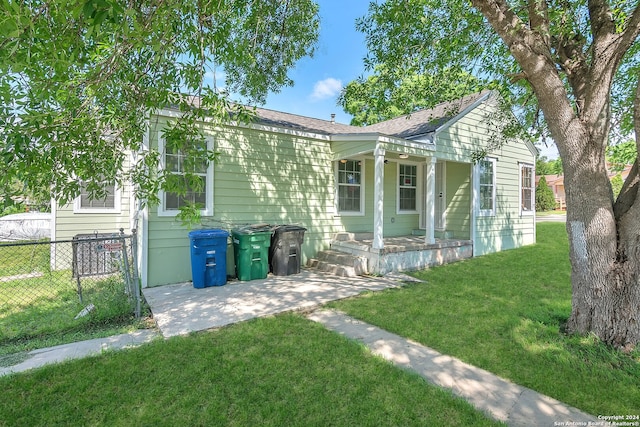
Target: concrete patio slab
x=181, y=309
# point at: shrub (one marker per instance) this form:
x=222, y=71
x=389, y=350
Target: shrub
x=545, y=200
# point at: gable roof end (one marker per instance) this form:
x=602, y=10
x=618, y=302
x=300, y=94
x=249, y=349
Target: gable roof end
x=427, y=121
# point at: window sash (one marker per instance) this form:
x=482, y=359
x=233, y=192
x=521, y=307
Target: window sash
x=174, y=201
x=487, y=186
x=527, y=203
x=407, y=187
x=349, y=183
x=109, y=204
x=175, y=162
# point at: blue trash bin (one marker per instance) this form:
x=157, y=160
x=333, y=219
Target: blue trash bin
x=208, y=257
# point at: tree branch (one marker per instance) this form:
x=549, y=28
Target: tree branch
x=608, y=49
x=534, y=57
x=631, y=187
x=539, y=19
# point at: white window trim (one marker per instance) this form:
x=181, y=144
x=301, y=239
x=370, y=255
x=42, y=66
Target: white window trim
x=487, y=212
x=361, y=212
x=533, y=190
x=208, y=210
x=417, y=187
x=116, y=209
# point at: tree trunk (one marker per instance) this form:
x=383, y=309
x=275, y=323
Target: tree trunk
x=604, y=238
x=605, y=260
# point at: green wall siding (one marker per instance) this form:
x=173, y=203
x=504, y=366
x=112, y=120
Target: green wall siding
x=69, y=223
x=261, y=177
x=507, y=229
x=395, y=224
x=458, y=199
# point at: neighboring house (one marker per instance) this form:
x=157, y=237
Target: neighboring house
x=353, y=188
x=556, y=183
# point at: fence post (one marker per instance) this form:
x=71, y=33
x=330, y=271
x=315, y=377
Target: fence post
x=125, y=264
x=136, y=282
x=74, y=268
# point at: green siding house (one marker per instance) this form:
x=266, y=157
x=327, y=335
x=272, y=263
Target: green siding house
x=398, y=195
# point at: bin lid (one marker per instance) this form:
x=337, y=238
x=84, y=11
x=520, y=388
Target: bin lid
x=254, y=228
x=287, y=227
x=207, y=234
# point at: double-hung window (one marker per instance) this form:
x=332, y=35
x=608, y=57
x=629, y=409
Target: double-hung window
x=486, y=171
x=527, y=191
x=407, y=188
x=349, y=184
x=198, y=183
x=84, y=203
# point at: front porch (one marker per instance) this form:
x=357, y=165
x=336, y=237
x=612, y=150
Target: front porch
x=354, y=254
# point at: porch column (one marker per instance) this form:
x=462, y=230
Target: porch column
x=430, y=203
x=378, y=198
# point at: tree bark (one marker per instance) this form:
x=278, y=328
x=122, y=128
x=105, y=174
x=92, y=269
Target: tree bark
x=604, y=239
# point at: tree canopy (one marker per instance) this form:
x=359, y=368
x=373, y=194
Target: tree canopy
x=545, y=166
x=78, y=80
x=390, y=93
x=430, y=37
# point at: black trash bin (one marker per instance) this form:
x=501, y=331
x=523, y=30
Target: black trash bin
x=285, y=250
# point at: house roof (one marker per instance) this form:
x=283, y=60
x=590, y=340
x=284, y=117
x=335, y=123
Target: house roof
x=425, y=121
x=302, y=123
x=407, y=126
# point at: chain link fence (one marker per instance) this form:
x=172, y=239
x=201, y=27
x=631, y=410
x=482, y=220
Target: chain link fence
x=55, y=286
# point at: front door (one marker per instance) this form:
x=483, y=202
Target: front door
x=439, y=205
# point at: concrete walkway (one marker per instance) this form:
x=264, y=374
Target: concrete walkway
x=500, y=399
x=181, y=309
x=552, y=218
x=76, y=350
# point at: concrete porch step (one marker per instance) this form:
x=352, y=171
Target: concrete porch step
x=339, y=263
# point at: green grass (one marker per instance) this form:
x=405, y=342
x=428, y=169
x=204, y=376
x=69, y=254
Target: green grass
x=40, y=311
x=277, y=371
x=504, y=312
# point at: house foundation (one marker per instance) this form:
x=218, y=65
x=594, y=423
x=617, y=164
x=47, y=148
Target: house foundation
x=404, y=253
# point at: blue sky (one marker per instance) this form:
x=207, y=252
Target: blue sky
x=337, y=61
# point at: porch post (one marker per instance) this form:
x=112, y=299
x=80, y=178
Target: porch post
x=431, y=201
x=378, y=198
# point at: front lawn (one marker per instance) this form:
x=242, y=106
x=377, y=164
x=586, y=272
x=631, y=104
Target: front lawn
x=504, y=313
x=279, y=371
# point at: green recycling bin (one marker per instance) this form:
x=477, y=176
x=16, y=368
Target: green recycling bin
x=251, y=251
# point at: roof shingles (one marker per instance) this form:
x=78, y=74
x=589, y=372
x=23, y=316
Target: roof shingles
x=411, y=125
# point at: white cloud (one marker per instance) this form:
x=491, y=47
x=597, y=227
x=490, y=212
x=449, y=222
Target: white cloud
x=327, y=88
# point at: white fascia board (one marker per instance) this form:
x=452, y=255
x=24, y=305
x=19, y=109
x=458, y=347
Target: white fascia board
x=382, y=138
x=464, y=112
x=534, y=150
x=365, y=136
